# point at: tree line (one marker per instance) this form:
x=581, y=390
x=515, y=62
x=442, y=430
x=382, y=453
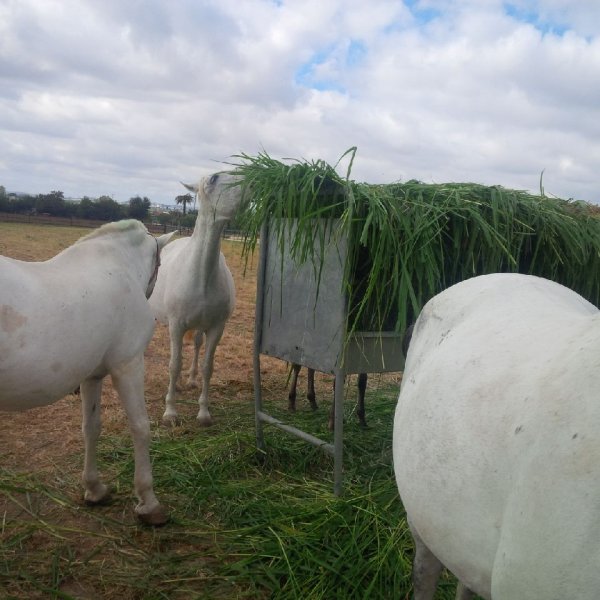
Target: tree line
x=103, y=208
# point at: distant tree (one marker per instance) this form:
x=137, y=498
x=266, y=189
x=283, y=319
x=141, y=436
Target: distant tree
x=52, y=203
x=3, y=199
x=189, y=220
x=108, y=210
x=21, y=204
x=184, y=199
x=139, y=208
x=86, y=209
x=164, y=218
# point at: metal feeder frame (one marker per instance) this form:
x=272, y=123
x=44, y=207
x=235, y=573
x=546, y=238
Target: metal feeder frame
x=301, y=318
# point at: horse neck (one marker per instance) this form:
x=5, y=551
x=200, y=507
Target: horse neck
x=205, y=247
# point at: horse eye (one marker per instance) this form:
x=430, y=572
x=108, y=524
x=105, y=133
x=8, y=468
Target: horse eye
x=213, y=179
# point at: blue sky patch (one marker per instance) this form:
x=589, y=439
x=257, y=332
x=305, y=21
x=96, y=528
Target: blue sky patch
x=533, y=18
x=355, y=54
x=306, y=75
x=421, y=15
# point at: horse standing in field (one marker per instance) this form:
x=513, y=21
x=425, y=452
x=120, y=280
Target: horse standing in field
x=71, y=321
x=195, y=289
x=497, y=440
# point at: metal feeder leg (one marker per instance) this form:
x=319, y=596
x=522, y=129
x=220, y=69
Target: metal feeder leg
x=338, y=433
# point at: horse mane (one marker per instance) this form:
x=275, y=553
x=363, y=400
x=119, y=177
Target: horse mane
x=126, y=225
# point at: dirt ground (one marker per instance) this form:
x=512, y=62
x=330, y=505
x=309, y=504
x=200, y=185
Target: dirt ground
x=38, y=439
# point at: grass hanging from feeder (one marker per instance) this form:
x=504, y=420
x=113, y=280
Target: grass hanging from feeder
x=409, y=241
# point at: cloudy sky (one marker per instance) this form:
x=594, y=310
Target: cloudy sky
x=128, y=97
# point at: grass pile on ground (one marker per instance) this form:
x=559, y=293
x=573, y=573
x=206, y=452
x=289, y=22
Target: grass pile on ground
x=409, y=241
x=244, y=525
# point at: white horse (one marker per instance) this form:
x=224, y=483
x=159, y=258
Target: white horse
x=497, y=440
x=71, y=321
x=195, y=289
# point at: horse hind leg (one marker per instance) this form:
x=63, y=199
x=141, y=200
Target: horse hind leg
x=293, y=385
x=193, y=372
x=128, y=380
x=310, y=390
x=362, y=388
x=95, y=491
x=426, y=570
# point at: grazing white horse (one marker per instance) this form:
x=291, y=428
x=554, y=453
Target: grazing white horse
x=195, y=289
x=497, y=440
x=71, y=321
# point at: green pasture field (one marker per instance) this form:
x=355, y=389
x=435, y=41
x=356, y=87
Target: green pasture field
x=243, y=524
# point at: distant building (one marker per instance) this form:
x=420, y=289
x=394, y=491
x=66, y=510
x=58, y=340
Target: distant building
x=156, y=209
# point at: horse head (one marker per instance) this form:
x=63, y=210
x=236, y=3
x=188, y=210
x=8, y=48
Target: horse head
x=220, y=193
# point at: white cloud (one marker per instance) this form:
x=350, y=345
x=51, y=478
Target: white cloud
x=128, y=98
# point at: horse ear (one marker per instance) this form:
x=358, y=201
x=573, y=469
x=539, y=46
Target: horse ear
x=163, y=240
x=192, y=187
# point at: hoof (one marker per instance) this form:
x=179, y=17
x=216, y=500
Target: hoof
x=205, y=420
x=171, y=420
x=292, y=408
x=154, y=518
x=100, y=499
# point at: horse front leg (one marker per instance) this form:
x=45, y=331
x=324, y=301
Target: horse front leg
x=293, y=385
x=362, y=390
x=331, y=422
x=91, y=392
x=193, y=372
x=176, y=333
x=129, y=383
x=310, y=390
x=213, y=336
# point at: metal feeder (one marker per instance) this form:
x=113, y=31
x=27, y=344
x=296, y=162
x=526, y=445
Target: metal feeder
x=302, y=318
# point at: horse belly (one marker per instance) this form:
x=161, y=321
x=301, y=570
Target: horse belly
x=43, y=375
x=52, y=352
x=18, y=398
